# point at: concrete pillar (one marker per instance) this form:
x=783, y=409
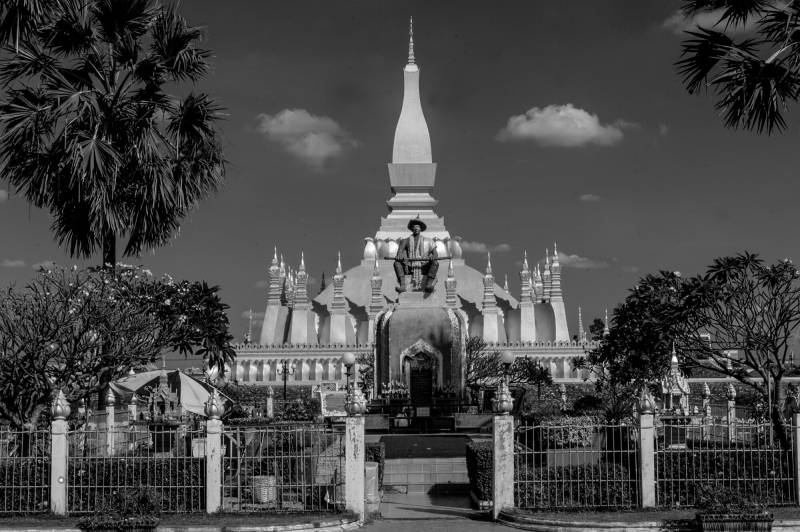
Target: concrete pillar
x=354, y=466
x=796, y=454
x=110, y=422
x=647, y=460
x=58, y=455
x=214, y=410
x=503, y=496
x=270, y=402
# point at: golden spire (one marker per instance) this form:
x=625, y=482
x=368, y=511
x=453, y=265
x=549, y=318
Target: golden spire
x=411, y=41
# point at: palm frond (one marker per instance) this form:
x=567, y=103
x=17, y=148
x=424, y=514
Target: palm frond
x=174, y=46
x=120, y=19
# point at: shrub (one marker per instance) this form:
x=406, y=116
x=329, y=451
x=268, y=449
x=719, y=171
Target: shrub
x=17, y=472
x=480, y=469
x=588, y=403
x=600, y=485
x=564, y=432
x=178, y=482
x=376, y=452
x=762, y=475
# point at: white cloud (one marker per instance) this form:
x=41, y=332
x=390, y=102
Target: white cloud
x=663, y=129
x=589, y=197
x=482, y=247
x=578, y=262
x=13, y=263
x=630, y=269
x=44, y=265
x=3, y=195
x=564, y=126
x=311, y=138
x=678, y=23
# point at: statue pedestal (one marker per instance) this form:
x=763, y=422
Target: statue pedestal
x=415, y=299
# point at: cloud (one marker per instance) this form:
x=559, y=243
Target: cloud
x=481, y=247
x=44, y=265
x=13, y=263
x=630, y=269
x=678, y=23
x=578, y=262
x=563, y=126
x=312, y=139
x=663, y=129
x=262, y=283
x=589, y=197
x=3, y=195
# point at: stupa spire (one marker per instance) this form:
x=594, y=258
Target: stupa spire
x=581, y=332
x=488, y=263
x=606, y=330
x=411, y=40
x=525, y=260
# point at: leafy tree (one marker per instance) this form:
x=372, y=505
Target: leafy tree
x=753, y=76
x=366, y=372
x=87, y=129
x=738, y=319
x=596, y=329
x=78, y=330
x=484, y=368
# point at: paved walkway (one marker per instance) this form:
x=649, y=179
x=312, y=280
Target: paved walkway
x=422, y=513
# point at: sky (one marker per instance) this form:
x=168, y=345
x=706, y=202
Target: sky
x=550, y=122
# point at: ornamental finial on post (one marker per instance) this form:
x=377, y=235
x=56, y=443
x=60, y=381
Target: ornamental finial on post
x=214, y=408
x=645, y=404
x=730, y=393
x=60, y=407
x=111, y=399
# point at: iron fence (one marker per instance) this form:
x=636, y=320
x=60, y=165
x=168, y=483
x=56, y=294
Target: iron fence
x=104, y=465
x=744, y=458
x=24, y=471
x=579, y=465
x=283, y=468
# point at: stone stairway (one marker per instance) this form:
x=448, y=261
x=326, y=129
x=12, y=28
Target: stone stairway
x=426, y=475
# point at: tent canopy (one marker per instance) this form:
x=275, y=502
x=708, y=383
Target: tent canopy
x=192, y=393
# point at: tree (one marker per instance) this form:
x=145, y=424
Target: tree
x=753, y=77
x=87, y=129
x=484, y=368
x=597, y=329
x=366, y=372
x=738, y=320
x=78, y=330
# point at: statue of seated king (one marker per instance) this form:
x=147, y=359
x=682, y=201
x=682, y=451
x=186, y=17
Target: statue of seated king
x=416, y=262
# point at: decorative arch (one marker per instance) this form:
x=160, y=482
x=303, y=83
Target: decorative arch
x=424, y=348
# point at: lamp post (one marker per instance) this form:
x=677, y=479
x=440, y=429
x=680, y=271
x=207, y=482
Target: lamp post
x=504, y=403
x=285, y=368
x=354, y=404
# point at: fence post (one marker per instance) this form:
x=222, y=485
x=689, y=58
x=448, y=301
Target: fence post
x=270, y=402
x=730, y=394
x=796, y=454
x=503, y=437
x=354, y=465
x=214, y=410
x=647, y=455
x=58, y=455
x=111, y=400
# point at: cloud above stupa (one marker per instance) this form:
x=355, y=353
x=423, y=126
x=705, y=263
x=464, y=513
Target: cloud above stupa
x=482, y=247
x=579, y=262
x=311, y=138
x=13, y=263
x=563, y=126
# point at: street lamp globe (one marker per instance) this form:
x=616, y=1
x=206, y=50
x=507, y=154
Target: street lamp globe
x=349, y=359
x=507, y=358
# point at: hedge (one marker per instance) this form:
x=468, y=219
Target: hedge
x=480, y=469
x=376, y=452
x=179, y=482
x=602, y=485
x=764, y=475
x=24, y=485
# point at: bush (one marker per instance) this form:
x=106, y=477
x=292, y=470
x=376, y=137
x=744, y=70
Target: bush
x=376, y=452
x=761, y=475
x=565, y=432
x=588, y=486
x=17, y=472
x=480, y=469
x=588, y=403
x=178, y=482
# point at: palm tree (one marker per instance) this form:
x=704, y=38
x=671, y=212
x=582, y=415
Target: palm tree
x=87, y=130
x=755, y=76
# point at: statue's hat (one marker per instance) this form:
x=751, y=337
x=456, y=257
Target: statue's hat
x=417, y=221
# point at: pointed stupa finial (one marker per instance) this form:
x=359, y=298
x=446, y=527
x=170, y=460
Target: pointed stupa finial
x=488, y=263
x=275, y=256
x=581, y=332
x=606, y=330
x=555, y=253
x=674, y=360
x=547, y=258
x=411, y=41
x=339, y=263
x=376, y=268
x=450, y=271
x=302, y=262
x=525, y=260
x=505, y=284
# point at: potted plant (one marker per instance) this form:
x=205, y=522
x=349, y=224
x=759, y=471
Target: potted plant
x=128, y=511
x=724, y=510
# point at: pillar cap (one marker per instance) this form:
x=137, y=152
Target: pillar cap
x=60, y=407
x=214, y=408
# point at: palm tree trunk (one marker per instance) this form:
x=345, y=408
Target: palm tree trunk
x=109, y=250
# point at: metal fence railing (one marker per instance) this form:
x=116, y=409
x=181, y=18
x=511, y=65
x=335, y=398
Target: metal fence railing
x=577, y=465
x=744, y=458
x=283, y=468
x=168, y=461
x=24, y=471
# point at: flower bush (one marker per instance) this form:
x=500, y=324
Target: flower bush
x=480, y=469
x=564, y=432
